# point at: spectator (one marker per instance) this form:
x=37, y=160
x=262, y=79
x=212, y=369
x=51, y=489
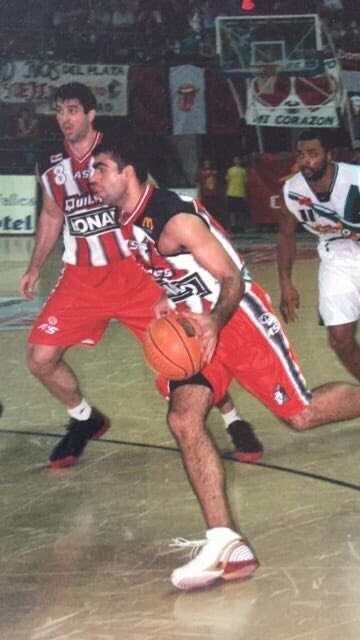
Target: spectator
x=209, y=187
x=27, y=132
x=27, y=124
x=122, y=16
x=236, y=196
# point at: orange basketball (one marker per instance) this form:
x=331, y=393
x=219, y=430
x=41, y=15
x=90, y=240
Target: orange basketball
x=171, y=347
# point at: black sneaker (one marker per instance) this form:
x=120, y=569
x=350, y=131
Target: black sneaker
x=79, y=432
x=247, y=446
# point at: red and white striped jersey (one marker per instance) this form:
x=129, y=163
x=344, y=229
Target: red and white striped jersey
x=183, y=278
x=91, y=229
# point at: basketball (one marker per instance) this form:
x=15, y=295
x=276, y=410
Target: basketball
x=171, y=347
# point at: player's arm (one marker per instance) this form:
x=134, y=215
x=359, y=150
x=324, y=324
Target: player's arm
x=286, y=254
x=188, y=232
x=48, y=230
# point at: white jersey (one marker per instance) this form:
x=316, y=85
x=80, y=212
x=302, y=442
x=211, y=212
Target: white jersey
x=335, y=218
x=331, y=216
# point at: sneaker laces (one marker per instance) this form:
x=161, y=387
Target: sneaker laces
x=193, y=545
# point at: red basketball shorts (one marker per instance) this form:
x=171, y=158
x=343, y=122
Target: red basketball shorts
x=254, y=350
x=85, y=299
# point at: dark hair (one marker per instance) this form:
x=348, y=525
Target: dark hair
x=316, y=134
x=124, y=153
x=78, y=91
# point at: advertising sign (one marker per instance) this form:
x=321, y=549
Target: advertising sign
x=17, y=205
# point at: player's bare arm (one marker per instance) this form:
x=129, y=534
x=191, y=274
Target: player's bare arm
x=188, y=232
x=48, y=230
x=286, y=254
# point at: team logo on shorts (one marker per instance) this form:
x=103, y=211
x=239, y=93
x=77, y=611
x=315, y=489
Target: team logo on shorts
x=271, y=323
x=49, y=327
x=280, y=396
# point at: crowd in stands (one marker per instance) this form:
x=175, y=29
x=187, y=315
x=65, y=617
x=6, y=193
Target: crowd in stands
x=131, y=31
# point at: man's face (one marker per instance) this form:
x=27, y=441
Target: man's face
x=74, y=123
x=312, y=159
x=108, y=181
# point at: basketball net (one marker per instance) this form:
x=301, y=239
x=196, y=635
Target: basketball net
x=266, y=75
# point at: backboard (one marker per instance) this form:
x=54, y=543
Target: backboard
x=291, y=43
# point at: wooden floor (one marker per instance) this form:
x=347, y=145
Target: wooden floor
x=85, y=552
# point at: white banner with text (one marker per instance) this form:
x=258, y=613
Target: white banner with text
x=24, y=81
x=17, y=205
x=281, y=100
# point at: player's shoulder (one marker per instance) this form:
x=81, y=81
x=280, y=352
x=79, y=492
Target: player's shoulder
x=295, y=181
x=102, y=138
x=347, y=170
x=50, y=156
x=162, y=205
x=165, y=202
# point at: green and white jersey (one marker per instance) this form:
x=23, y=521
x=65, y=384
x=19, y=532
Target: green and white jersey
x=331, y=216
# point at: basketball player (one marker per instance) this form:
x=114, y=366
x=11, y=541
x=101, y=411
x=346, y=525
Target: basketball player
x=98, y=277
x=186, y=252
x=324, y=197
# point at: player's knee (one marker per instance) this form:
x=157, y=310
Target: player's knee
x=180, y=424
x=303, y=420
x=39, y=363
x=300, y=422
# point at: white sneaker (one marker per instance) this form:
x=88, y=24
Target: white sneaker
x=224, y=554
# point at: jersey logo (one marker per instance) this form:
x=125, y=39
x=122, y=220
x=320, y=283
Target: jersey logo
x=83, y=175
x=56, y=157
x=280, y=396
x=93, y=223
x=191, y=285
x=74, y=203
x=148, y=223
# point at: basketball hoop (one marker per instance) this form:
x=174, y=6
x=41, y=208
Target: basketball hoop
x=266, y=69
x=265, y=76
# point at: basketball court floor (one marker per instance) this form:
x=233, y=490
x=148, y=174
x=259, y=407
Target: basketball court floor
x=85, y=551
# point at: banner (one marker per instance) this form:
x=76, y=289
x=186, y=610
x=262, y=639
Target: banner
x=24, y=81
x=265, y=181
x=187, y=91
x=17, y=205
x=289, y=101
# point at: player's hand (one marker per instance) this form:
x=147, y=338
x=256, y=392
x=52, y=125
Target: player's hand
x=163, y=307
x=28, y=283
x=207, y=330
x=289, y=302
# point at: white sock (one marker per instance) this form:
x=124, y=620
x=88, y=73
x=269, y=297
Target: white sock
x=81, y=412
x=230, y=417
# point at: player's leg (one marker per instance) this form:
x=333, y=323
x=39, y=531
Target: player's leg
x=46, y=363
x=248, y=447
x=339, y=303
x=224, y=554
x=60, y=325
x=343, y=342
x=276, y=378
x=331, y=402
x=189, y=406
x=86, y=423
